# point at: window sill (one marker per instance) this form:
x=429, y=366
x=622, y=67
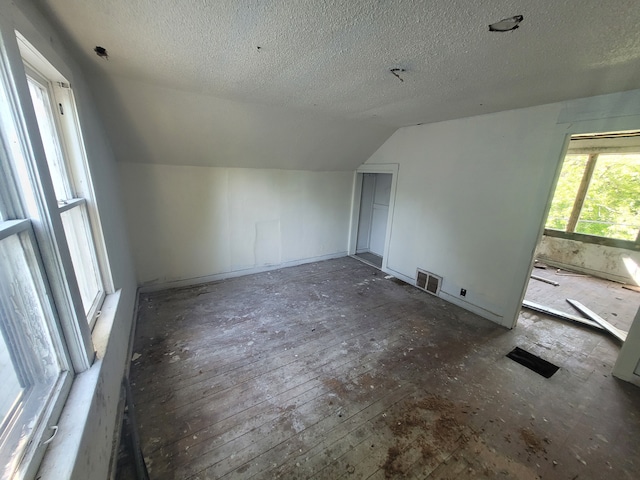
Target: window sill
x=580, y=237
x=74, y=428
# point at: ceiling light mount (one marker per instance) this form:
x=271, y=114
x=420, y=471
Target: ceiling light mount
x=396, y=72
x=506, y=24
x=101, y=52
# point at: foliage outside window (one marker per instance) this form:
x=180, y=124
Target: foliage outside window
x=598, y=193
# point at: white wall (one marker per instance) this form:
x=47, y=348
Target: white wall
x=82, y=448
x=617, y=264
x=214, y=186
x=472, y=195
x=197, y=222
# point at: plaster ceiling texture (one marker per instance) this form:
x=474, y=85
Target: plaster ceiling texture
x=335, y=56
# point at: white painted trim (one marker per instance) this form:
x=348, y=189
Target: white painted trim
x=235, y=273
x=628, y=362
x=447, y=297
x=355, y=213
x=64, y=452
x=11, y=227
x=390, y=168
x=494, y=317
x=378, y=168
x=38, y=61
x=69, y=204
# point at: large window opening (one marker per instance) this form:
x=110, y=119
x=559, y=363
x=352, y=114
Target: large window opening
x=590, y=252
x=598, y=192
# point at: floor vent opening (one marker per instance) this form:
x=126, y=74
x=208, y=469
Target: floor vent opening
x=428, y=281
x=533, y=362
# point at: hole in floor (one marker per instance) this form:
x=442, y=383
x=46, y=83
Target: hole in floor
x=533, y=362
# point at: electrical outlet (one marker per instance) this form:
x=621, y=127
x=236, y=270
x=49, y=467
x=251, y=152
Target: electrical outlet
x=463, y=292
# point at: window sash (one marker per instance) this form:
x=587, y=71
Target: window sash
x=73, y=211
x=82, y=249
x=28, y=209
x=49, y=134
x=31, y=335
x=30, y=194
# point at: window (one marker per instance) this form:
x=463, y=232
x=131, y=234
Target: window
x=33, y=364
x=72, y=204
x=598, y=192
x=51, y=282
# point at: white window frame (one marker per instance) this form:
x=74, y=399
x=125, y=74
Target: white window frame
x=30, y=207
x=29, y=409
x=74, y=166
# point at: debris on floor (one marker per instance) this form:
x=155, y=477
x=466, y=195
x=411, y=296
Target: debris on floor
x=616, y=332
x=536, y=307
x=300, y=404
x=545, y=280
x=559, y=273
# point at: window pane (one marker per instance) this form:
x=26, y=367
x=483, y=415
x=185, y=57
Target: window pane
x=29, y=361
x=76, y=229
x=11, y=387
x=612, y=206
x=46, y=124
x=566, y=191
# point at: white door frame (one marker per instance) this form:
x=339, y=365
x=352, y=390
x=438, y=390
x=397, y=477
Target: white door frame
x=389, y=168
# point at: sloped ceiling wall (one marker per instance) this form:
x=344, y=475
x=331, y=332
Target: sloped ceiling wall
x=154, y=124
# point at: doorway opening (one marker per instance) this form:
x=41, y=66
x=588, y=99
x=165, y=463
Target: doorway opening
x=375, y=198
x=590, y=250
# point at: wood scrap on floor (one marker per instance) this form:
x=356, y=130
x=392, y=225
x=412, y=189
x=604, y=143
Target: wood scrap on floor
x=633, y=288
x=545, y=280
x=616, y=332
x=536, y=307
x=569, y=274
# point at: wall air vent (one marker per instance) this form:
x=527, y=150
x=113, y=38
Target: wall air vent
x=428, y=282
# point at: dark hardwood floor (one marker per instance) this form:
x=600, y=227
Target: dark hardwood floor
x=329, y=370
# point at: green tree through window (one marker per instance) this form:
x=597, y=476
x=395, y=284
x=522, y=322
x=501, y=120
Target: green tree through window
x=598, y=193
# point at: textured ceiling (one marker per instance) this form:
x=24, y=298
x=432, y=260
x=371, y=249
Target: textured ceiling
x=334, y=56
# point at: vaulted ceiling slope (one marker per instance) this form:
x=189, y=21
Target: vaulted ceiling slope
x=334, y=57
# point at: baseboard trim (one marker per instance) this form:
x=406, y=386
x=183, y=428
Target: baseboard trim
x=447, y=297
x=235, y=273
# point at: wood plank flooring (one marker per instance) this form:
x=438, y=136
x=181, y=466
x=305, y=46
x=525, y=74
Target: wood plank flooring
x=608, y=299
x=330, y=370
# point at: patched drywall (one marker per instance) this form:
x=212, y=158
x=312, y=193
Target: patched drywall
x=198, y=222
x=617, y=264
x=472, y=195
x=173, y=127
